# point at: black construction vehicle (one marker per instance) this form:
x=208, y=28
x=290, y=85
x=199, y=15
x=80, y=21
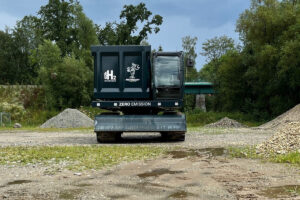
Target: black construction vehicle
x=142, y=92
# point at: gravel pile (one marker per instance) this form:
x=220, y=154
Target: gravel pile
x=285, y=140
x=225, y=123
x=292, y=115
x=69, y=118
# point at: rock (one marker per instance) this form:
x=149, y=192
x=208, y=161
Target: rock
x=78, y=174
x=17, y=125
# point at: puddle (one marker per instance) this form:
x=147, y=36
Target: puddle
x=183, y=178
x=211, y=152
x=206, y=173
x=69, y=194
x=281, y=191
x=144, y=187
x=180, y=195
x=18, y=182
x=158, y=172
x=118, y=196
x=84, y=185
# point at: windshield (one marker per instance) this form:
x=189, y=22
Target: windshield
x=166, y=70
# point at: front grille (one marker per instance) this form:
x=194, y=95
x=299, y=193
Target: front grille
x=167, y=93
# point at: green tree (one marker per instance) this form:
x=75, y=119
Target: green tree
x=127, y=31
x=7, y=66
x=86, y=34
x=15, y=48
x=265, y=44
x=26, y=37
x=65, y=23
x=213, y=50
x=232, y=88
x=189, y=49
x=57, y=20
x=262, y=77
x=71, y=85
x=67, y=80
x=216, y=47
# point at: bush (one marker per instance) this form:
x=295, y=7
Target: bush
x=199, y=118
x=67, y=80
x=189, y=102
x=36, y=117
x=33, y=98
x=70, y=83
x=17, y=111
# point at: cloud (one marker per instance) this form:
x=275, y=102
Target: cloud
x=7, y=20
x=202, y=18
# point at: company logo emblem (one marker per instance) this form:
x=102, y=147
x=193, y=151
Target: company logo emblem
x=134, y=67
x=109, y=76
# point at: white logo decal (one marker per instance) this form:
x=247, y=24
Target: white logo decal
x=131, y=70
x=109, y=76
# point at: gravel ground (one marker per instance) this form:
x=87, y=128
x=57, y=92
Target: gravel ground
x=200, y=169
x=201, y=138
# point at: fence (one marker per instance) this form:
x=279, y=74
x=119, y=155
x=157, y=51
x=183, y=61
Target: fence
x=5, y=119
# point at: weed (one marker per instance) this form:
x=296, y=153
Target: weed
x=250, y=152
x=76, y=157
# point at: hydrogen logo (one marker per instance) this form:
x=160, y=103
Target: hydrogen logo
x=109, y=76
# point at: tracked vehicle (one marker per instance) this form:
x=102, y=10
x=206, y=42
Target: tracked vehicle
x=142, y=92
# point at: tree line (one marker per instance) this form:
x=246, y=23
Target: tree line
x=262, y=75
x=53, y=48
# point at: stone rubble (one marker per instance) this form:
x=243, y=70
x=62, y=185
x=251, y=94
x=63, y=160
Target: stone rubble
x=225, y=123
x=285, y=140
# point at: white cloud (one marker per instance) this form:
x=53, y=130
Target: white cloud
x=7, y=20
x=175, y=28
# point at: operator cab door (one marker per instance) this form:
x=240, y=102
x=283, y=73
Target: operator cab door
x=168, y=75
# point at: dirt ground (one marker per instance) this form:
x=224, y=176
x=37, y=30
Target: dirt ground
x=199, y=169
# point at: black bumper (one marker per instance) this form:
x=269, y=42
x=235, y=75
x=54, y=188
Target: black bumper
x=140, y=123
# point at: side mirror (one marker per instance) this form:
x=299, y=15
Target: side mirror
x=189, y=63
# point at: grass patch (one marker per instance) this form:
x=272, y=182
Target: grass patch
x=199, y=118
x=35, y=117
x=76, y=157
x=250, y=152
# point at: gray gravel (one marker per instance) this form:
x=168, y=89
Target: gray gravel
x=69, y=118
x=225, y=123
x=199, y=138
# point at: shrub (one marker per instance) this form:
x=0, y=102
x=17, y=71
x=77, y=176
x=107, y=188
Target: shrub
x=67, y=81
x=33, y=98
x=17, y=111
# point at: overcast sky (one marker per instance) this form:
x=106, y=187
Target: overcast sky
x=201, y=18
